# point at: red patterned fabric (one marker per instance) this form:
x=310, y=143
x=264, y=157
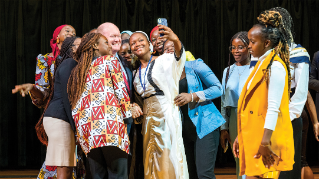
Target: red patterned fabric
x=104, y=104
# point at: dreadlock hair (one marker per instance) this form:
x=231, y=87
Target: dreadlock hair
x=65, y=52
x=272, y=28
x=287, y=22
x=243, y=36
x=84, y=56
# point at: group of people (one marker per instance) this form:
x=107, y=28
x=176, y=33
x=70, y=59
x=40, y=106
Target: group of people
x=141, y=107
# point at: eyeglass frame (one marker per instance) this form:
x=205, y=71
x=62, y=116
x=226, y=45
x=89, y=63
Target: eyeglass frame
x=237, y=48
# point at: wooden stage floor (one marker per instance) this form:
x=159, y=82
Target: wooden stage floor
x=221, y=173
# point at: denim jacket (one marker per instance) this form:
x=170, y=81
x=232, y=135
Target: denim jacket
x=204, y=115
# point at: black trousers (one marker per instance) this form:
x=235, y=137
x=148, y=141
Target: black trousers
x=200, y=153
x=108, y=163
x=295, y=173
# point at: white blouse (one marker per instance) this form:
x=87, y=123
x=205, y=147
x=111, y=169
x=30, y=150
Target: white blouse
x=277, y=78
x=299, y=80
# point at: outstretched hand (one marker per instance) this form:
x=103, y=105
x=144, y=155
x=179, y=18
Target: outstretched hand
x=23, y=89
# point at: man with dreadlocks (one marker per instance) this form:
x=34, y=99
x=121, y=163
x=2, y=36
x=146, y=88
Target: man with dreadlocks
x=299, y=67
x=265, y=137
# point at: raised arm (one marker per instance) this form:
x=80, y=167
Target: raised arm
x=170, y=35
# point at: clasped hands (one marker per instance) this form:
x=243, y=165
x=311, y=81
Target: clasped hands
x=136, y=110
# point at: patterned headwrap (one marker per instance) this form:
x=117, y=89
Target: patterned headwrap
x=127, y=32
x=53, y=44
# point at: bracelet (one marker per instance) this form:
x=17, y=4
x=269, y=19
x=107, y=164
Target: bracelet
x=265, y=145
x=192, y=97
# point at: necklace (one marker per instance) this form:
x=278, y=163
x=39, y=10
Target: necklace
x=143, y=85
x=239, y=74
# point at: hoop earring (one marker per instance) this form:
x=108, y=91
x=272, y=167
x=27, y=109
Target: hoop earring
x=57, y=40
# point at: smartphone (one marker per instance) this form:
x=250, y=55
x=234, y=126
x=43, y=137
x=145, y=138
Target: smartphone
x=162, y=21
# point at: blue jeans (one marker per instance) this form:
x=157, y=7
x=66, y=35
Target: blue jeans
x=200, y=153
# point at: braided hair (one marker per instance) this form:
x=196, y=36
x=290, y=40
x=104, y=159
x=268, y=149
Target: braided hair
x=243, y=36
x=84, y=56
x=272, y=28
x=287, y=22
x=65, y=52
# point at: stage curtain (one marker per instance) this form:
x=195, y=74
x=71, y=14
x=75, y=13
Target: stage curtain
x=205, y=27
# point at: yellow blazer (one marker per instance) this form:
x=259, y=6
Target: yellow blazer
x=252, y=110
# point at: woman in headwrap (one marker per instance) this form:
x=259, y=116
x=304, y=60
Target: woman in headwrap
x=156, y=82
x=157, y=43
x=40, y=91
x=126, y=34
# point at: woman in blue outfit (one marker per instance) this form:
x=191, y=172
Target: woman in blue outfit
x=198, y=85
x=234, y=78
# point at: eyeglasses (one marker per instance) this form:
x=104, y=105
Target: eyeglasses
x=239, y=48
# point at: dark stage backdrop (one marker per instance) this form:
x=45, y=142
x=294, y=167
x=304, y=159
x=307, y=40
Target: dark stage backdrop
x=204, y=26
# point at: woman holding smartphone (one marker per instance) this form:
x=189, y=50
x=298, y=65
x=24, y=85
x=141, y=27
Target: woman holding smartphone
x=156, y=82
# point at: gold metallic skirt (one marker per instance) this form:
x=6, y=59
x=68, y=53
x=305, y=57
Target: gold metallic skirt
x=162, y=154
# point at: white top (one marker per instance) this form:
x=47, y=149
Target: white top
x=276, y=87
x=299, y=80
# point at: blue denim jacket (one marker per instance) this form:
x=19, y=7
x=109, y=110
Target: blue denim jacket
x=204, y=115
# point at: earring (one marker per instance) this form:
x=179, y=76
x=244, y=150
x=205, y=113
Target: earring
x=57, y=40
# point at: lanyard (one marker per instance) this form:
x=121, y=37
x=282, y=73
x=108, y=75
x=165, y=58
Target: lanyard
x=144, y=74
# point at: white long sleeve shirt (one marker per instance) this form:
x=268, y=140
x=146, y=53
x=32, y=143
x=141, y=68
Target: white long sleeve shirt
x=300, y=78
x=276, y=87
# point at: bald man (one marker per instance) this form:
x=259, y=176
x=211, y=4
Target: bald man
x=113, y=35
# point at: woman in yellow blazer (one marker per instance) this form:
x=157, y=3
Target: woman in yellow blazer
x=265, y=137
